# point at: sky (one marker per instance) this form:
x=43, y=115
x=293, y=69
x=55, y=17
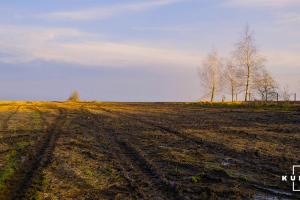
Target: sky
x=136, y=50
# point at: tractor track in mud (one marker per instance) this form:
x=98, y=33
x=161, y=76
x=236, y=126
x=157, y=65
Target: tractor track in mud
x=41, y=114
x=5, y=121
x=242, y=158
x=19, y=135
x=217, y=128
x=141, y=174
x=13, y=135
x=13, y=138
x=208, y=145
x=26, y=187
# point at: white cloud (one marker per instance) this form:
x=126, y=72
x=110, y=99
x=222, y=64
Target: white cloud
x=264, y=3
x=100, y=53
x=17, y=43
x=104, y=12
x=23, y=44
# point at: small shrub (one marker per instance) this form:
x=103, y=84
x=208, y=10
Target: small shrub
x=74, y=96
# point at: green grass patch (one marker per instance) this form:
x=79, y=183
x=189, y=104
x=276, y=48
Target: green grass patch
x=196, y=178
x=9, y=170
x=11, y=163
x=22, y=145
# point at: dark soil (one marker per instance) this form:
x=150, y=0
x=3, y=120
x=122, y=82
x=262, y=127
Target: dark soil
x=146, y=151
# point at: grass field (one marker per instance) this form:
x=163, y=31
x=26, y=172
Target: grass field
x=89, y=150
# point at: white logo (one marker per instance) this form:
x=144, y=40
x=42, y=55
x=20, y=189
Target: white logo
x=294, y=178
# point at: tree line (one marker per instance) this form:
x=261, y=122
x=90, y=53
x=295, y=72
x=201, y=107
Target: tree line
x=243, y=73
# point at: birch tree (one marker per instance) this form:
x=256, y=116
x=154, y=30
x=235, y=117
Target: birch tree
x=210, y=75
x=266, y=86
x=285, y=93
x=233, y=77
x=248, y=58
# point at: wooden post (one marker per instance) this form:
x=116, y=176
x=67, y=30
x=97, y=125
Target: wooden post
x=223, y=98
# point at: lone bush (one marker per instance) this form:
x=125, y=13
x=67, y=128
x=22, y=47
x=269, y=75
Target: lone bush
x=74, y=96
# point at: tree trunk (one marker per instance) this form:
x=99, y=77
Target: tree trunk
x=247, y=83
x=232, y=93
x=212, y=94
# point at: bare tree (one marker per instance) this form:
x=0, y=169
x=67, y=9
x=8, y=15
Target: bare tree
x=233, y=78
x=285, y=93
x=266, y=86
x=249, y=60
x=210, y=75
x=74, y=96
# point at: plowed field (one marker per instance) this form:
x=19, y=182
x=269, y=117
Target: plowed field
x=60, y=150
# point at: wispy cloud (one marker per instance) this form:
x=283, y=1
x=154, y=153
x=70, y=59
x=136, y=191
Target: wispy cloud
x=23, y=44
x=19, y=42
x=100, y=53
x=262, y=3
x=103, y=12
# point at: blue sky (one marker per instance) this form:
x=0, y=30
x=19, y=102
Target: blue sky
x=135, y=50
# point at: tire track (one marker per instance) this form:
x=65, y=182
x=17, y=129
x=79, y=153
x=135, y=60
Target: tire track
x=41, y=114
x=31, y=170
x=11, y=139
x=21, y=133
x=218, y=128
x=219, y=149
x=143, y=177
x=5, y=121
x=213, y=147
